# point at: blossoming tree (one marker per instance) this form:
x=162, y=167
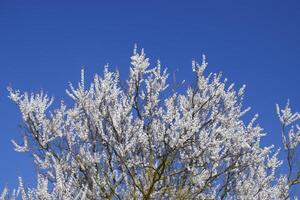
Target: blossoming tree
x=143, y=140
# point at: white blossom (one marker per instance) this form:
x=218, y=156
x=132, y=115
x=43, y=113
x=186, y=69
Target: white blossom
x=143, y=141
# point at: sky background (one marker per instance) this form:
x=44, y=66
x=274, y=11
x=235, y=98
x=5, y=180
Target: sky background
x=43, y=46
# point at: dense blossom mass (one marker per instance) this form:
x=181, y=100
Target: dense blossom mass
x=144, y=140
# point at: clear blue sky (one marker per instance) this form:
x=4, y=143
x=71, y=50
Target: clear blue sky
x=43, y=45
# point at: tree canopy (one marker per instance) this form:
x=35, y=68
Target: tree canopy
x=145, y=140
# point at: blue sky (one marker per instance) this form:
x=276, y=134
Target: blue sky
x=43, y=46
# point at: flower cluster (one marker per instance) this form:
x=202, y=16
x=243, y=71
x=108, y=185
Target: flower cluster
x=144, y=141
